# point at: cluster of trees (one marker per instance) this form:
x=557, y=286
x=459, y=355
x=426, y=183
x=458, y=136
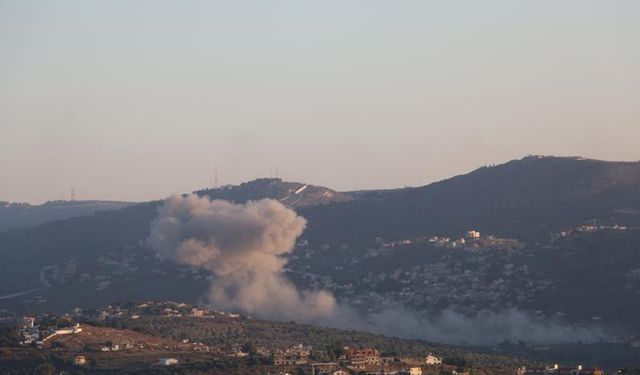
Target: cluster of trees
x=9, y=336
x=41, y=364
x=629, y=371
x=328, y=342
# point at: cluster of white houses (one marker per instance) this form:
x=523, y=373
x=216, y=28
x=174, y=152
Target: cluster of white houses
x=439, y=241
x=32, y=333
x=559, y=370
x=367, y=360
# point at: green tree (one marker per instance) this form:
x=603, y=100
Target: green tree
x=248, y=347
x=45, y=368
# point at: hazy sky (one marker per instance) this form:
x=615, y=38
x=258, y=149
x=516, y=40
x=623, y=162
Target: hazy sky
x=139, y=99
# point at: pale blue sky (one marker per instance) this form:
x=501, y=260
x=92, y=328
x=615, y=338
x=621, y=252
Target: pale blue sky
x=139, y=99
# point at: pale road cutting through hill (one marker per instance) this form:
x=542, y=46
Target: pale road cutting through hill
x=8, y=296
x=43, y=280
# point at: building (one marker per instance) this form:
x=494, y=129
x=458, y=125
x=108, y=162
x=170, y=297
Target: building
x=415, y=371
x=472, y=234
x=29, y=335
x=557, y=370
x=363, y=359
x=69, y=331
x=263, y=352
x=29, y=321
x=197, y=312
x=168, y=361
x=340, y=372
x=80, y=360
x=360, y=358
x=296, y=355
x=432, y=360
x=323, y=368
x=288, y=359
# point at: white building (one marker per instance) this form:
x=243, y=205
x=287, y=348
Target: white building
x=70, y=330
x=29, y=321
x=168, y=361
x=415, y=371
x=197, y=312
x=432, y=360
x=473, y=234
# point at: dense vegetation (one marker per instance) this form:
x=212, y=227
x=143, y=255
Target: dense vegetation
x=275, y=335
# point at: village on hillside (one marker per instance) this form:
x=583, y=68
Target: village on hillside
x=95, y=338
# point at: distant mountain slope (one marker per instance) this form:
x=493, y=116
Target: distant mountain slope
x=525, y=198
x=98, y=258
x=25, y=252
x=608, y=265
x=14, y=215
x=291, y=194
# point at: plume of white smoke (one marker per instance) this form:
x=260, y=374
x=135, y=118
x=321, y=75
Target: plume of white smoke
x=242, y=244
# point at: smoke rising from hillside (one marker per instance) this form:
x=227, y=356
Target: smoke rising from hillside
x=242, y=245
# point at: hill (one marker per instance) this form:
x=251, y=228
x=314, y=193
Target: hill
x=525, y=199
x=135, y=335
x=373, y=248
x=291, y=194
x=27, y=252
x=16, y=215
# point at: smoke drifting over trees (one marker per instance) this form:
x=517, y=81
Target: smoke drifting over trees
x=485, y=328
x=241, y=244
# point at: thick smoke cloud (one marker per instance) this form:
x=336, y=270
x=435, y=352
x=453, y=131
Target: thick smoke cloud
x=241, y=244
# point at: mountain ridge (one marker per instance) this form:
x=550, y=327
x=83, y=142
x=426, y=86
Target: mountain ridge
x=529, y=199
x=291, y=194
x=524, y=198
x=19, y=214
